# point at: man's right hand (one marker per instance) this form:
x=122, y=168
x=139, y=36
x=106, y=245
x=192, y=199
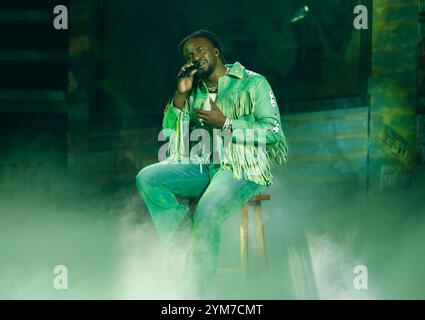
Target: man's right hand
x=184, y=85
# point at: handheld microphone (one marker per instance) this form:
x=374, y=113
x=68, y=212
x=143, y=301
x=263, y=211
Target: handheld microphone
x=195, y=65
x=301, y=14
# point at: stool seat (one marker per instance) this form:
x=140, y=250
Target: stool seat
x=260, y=197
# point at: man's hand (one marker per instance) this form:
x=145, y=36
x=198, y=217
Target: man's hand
x=214, y=117
x=184, y=85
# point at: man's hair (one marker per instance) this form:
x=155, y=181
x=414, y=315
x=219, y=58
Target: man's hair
x=212, y=37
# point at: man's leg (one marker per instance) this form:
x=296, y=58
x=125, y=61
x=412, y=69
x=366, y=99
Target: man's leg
x=160, y=183
x=224, y=196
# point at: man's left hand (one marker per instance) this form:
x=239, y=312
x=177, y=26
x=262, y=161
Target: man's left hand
x=214, y=117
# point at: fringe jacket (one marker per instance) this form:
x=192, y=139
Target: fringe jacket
x=247, y=98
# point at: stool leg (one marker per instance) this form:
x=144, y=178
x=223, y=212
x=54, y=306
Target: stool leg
x=244, y=241
x=260, y=232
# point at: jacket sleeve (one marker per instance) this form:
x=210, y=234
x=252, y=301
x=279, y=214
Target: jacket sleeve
x=175, y=127
x=265, y=122
x=173, y=117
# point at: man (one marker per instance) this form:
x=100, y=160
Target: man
x=220, y=100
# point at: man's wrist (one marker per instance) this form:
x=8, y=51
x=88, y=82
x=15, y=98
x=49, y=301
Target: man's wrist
x=227, y=124
x=179, y=100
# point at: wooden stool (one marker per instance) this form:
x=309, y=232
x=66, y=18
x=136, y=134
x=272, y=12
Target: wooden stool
x=255, y=201
x=259, y=227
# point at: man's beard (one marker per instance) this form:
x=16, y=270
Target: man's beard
x=206, y=74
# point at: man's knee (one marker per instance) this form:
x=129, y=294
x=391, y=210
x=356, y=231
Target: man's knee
x=144, y=177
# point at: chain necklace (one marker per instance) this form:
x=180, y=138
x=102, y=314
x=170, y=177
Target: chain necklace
x=214, y=89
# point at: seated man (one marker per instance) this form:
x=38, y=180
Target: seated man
x=235, y=113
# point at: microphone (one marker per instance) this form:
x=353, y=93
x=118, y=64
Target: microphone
x=301, y=14
x=195, y=65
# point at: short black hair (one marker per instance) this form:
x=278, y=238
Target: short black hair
x=211, y=36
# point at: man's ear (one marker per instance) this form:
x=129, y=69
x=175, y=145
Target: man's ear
x=216, y=52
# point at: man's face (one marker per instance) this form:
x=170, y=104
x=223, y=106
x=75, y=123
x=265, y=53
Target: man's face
x=201, y=49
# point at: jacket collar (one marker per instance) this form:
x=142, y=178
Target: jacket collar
x=237, y=70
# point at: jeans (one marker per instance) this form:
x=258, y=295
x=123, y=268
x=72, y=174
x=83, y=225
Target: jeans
x=220, y=195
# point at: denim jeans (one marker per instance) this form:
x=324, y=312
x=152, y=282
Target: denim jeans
x=220, y=195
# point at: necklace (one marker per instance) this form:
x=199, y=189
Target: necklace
x=214, y=89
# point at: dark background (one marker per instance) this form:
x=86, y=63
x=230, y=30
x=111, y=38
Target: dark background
x=316, y=58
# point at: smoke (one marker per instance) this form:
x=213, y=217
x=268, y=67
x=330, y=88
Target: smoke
x=147, y=269
x=334, y=265
x=315, y=237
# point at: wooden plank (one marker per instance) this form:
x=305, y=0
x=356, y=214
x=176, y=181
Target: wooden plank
x=328, y=157
x=22, y=5
x=328, y=146
x=348, y=114
x=344, y=135
x=319, y=128
x=342, y=165
x=33, y=55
